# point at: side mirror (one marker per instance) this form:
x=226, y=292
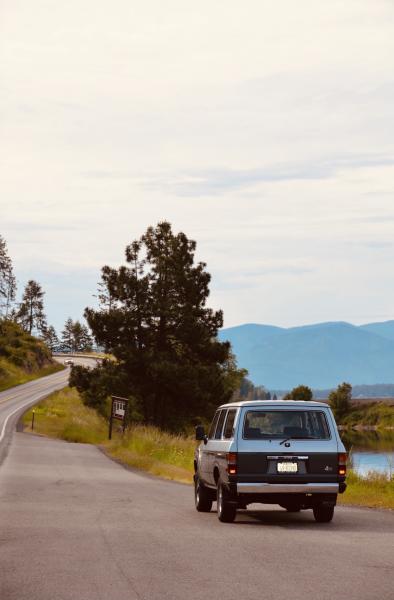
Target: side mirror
x=200, y=433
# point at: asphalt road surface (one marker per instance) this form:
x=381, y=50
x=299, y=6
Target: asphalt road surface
x=15, y=401
x=74, y=525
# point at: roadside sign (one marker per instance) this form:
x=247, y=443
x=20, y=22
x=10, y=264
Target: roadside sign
x=118, y=411
x=119, y=406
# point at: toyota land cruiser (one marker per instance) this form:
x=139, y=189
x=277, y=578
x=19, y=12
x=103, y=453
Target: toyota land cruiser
x=282, y=452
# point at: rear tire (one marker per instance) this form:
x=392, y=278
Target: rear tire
x=323, y=514
x=201, y=496
x=226, y=510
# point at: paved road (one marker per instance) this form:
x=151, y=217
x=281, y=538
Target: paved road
x=76, y=526
x=15, y=401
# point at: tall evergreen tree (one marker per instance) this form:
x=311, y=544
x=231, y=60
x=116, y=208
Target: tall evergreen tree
x=7, y=280
x=76, y=337
x=31, y=310
x=67, y=341
x=161, y=332
x=51, y=339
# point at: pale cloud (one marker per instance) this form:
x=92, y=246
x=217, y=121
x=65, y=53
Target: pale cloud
x=263, y=130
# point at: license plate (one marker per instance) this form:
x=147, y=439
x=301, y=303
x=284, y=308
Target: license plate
x=287, y=467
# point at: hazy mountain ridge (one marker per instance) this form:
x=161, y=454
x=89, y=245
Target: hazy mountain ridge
x=320, y=355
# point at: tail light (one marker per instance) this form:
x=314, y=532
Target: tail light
x=342, y=458
x=232, y=463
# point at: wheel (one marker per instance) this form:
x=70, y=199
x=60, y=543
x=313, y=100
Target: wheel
x=323, y=514
x=291, y=507
x=201, y=496
x=226, y=510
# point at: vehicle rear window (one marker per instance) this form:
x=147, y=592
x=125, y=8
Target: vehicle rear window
x=213, y=425
x=229, y=427
x=219, y=427
x=296, y=424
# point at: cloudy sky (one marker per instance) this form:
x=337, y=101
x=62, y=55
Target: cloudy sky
x=264, y=130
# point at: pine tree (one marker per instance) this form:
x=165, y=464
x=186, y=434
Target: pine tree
x=161, y=332
x=51, y=339
x=31, y=310
x=76, y=337
x=7, y=280
x=67, y=341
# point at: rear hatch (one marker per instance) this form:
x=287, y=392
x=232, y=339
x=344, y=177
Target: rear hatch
x=287, y=445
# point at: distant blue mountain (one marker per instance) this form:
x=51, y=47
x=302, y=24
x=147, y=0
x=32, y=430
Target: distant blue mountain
x=385, y=329
x=321, y=355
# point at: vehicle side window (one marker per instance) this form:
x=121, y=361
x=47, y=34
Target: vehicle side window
x=213, y=425
x=219, y=427
x=229, y=427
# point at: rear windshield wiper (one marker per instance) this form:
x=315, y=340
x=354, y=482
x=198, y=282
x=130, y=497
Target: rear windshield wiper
x=299, y=437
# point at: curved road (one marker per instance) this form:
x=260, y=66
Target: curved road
x=74, y=525
x=15, y=401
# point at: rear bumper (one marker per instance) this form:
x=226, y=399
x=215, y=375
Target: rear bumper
x=287, y=488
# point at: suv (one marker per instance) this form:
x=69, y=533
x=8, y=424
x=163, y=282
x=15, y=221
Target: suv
x=275, y=452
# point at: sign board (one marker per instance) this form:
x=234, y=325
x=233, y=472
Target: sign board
x=118, y=411
x=119, y=407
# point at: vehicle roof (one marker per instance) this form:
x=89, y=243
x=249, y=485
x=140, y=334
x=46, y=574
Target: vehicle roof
x=275, y=404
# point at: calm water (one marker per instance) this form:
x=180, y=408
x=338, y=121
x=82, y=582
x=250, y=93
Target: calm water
x=370, y=451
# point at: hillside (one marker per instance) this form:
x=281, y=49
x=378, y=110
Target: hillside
x=321, y=355
x=22, y=357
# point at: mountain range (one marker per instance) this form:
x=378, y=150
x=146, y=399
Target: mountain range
x=321, y=355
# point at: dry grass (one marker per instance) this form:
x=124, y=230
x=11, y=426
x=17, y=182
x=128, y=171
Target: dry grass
x=375, y=491
x=156, y=452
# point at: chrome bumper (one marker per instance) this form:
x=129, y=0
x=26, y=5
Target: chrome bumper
x=287, y=488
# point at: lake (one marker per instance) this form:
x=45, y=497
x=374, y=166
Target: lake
x=370, y=451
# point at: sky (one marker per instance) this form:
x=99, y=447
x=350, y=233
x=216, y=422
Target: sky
x=263, y=130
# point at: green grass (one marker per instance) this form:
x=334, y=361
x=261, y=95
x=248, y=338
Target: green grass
x=62, y=415
x=156, y=452
x=22, y=356
x=375, y=491
x=11, y=375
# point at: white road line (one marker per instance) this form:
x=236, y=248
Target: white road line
x=30, y=402
x=9, y=416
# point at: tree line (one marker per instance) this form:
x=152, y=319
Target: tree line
x=29, y=312
x=339, y=400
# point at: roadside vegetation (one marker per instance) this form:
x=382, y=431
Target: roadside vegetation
x=375, y=491
x=22, y=356
x=379, y=415
x=63, y=415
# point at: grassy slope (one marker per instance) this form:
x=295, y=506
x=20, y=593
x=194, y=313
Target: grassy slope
x=63, y=415
x=22, y=357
